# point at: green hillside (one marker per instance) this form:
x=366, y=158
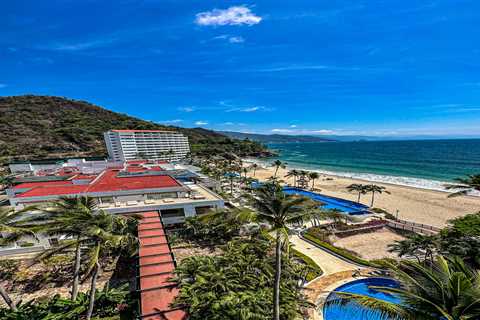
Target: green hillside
x=41, y=126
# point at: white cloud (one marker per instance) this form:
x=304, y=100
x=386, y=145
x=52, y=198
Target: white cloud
x=171, y=121
x=229, y=38
x=236, y=40
x=186, y=109
x=323, y=131
x=228, y=123
x=293, y=126
x=79, y=46
x=282, y=130
x=237, y=15
x=293, y=130
x=201, y=123
x=2, y=85
x=247, y=109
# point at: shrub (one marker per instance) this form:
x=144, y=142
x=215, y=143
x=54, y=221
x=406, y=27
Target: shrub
x=8, y=268
x=314, y=270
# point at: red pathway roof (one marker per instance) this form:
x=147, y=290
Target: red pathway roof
x=156, y=265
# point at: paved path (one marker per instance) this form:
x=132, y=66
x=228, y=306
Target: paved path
x=328, y=262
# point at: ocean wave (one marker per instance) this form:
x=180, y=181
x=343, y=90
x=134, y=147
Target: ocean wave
x=420, y=183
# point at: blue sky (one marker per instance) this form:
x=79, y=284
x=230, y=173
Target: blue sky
x=371, y=67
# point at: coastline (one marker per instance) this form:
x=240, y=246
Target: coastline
x=413, y=203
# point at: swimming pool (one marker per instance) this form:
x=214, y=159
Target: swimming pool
x=353, y=311
x=345, y=206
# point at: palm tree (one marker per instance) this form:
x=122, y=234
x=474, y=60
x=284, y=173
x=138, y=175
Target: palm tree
x=356, y=187
x=373, y=188
x=254, y=167
x=293, y=173
x=110, y=233
x=245, y=171
x=278, y=209
x=313, y=176
x=7, y=180
x=278, y=164
x=13, y=224
x=69, y=217
x=472, y=182
x=417, y=246
x=448, y=289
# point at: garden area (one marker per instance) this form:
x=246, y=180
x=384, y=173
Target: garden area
x=89, y=274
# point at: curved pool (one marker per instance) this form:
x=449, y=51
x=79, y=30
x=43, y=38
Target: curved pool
x=342, y=205
x=353, y=311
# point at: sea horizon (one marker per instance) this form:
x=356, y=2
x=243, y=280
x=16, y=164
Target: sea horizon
x=425, y=164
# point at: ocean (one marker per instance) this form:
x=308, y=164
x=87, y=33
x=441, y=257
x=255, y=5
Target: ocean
x=425, y=164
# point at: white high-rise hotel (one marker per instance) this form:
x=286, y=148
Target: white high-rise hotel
x=124, y=145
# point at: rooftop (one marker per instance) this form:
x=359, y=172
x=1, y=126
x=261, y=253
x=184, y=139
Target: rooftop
x=110, y=180
x=146, y=131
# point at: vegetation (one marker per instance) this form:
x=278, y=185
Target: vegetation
x=448, y=289
x=373, y=189
x=93, y=234
x=462, y=238
x=279, y=209
x=12, y=224
x=278, y=164
x=112, y=303
x=465, y=185
x=314, y=270
x=313, y=176
x=39, y=126
x=239, y=283
x=358, y=188
x=420, y=247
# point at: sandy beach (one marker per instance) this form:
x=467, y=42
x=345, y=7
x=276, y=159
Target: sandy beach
x=413, y=204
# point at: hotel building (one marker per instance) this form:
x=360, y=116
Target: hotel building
x=135, y=187
x=124, y=145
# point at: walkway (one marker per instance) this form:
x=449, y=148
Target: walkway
x=156, y=265
x=336, y=271
x=329, y=263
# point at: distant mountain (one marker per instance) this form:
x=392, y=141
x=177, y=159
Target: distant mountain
x=40, y=126
x=275, y=138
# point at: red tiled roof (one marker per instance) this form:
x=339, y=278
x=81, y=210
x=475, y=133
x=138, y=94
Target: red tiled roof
x=156, y=265
x=110, y=182
x=27, y=185
x=84, y=177
x=54, y=191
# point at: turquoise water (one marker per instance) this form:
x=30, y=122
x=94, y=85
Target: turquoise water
x=342, y=205
x=416, y=163
x=353, y=311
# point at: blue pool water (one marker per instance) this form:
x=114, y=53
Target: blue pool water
x=346, y=206
x=353, y=311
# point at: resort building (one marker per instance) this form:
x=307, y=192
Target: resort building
x=136, y=186
x=124, y=145
x=52, y=166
